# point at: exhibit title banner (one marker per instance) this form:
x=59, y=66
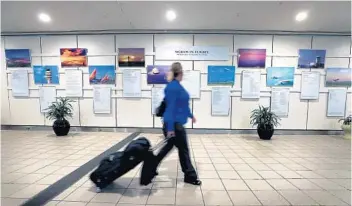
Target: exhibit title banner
x=197, y=53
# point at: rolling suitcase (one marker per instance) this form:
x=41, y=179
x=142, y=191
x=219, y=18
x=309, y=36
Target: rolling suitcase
x=119, y=163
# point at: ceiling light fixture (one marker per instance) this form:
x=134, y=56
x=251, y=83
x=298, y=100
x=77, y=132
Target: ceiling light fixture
x=301, y=16
x=44, y=17
x=170, y=15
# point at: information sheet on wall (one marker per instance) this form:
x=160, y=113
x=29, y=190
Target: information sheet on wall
x=19, y=83
x=74, y=83
x=310, y=85
x=336, y=102
x=132, y=83
x=197, y=53
x=157, y=97
x=220, y=101
x=280, y=101
x=251, y=84
x=191, y=82
x=47, y=95
x=102, y=100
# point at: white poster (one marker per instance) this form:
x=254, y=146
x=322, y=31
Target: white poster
x=310, y=85
x=191, y=82
x=157, y=97
x=74, y=84
x=251, y=84
x=336, y=103
x=200, y=53
x=131, y=83
x=47, y=95
x=19, y=83
x=280, y=101
x=220, y=101
x=102, y=100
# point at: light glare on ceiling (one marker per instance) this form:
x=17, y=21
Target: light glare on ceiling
x=44, y=17
x=170, y=15
x=301, y=16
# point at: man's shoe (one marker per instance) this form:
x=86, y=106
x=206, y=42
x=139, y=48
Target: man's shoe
x=193, y=182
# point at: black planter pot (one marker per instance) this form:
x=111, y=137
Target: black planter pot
x=265, y=134
x=61, y=127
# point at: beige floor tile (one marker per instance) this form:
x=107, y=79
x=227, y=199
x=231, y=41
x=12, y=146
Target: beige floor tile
x=270, y=198
x=344, y=195
x=304, y=184
x=228, y=175
x=327, y=184
x=52, y=203
x=235, y=185
x=216, y=198
x=249, y=175
x=67, y=203
x=269, y=175
x=324, y=198
x=189, y=197
x=164, y=196
x=65, y=193
x=243, y=198
x=208, y=174
x=223, y=167
x=281, y=184
x=166, y=184
x=48, y=169
x=296, y=197
x=49, y=179
x=81, y=195
x=12, y=201
x=133, y=196
x=28, y=191
x=258, y=185
x=8, y=189
x=212, y=184
x=111, y=196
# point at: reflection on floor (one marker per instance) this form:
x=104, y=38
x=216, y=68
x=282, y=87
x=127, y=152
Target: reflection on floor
x=235, y=170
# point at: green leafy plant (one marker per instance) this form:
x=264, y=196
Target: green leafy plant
x=347, y=120
x=264, y=119
x=60, y=109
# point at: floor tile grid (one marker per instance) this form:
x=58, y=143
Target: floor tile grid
x=40, y=139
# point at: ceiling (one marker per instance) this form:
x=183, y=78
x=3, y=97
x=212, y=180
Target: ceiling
x=324, y=16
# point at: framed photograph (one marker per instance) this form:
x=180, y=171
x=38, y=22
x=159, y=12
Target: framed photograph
x=131, y=57
x=252, y=58
x=73, y=57
x=18, y=58
x=280, y=76
x=157, y=74
x=46, y=74
x=311, y=58
x=338, y=77
x=102, y=74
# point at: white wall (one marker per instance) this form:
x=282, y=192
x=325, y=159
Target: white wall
x=303, y=114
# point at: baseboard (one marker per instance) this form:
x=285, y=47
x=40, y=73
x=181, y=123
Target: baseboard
x=158, y=130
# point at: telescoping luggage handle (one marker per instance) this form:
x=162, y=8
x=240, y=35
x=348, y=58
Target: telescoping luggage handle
x=157, y=146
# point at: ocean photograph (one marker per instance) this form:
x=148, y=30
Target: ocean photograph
x=280, y=76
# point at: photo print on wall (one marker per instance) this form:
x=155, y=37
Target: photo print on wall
x=73, y=57
x=251, y=58
x=338, y=77
x=46, y=74
x=131, y=57
x=311, y=58
x=18, y=58
x=102, y=74
x=280, y=76
x=157, y=74
x=224, y=75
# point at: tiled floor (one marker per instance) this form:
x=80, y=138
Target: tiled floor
x=235, y=170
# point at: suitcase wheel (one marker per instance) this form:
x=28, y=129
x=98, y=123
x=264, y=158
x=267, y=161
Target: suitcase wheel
x=97, y=190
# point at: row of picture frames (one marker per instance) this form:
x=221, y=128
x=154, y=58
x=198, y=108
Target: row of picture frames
x=217, y=75
x=135, y=57
x=220, y=100
x=310, y=86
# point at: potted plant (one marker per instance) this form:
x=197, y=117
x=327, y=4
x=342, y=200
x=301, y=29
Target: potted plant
x=265, y=120
x=59, y=111
x=346, y=126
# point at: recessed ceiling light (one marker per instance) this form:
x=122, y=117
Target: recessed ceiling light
x=44, y=17
x=170, y=15
x=301, y=16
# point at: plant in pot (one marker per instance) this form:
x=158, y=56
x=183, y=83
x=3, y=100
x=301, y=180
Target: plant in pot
x=346, y=126
x=265, y=120
x=59, y=111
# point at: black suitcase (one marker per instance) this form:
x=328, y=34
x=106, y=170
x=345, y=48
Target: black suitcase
x=119, y=163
